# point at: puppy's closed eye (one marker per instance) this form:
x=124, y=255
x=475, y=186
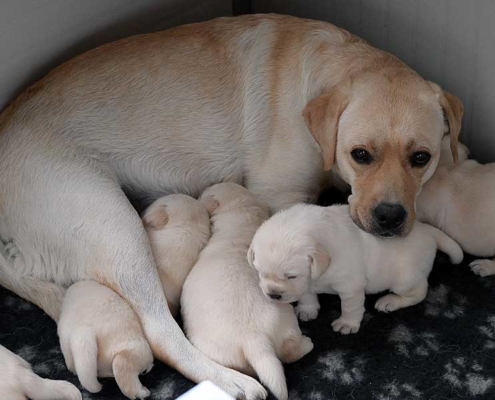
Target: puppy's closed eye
x=292, y=277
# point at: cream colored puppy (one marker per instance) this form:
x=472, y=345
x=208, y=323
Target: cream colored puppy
x=19, y=382
x=225, y=313
x=178, y=227
x=460, y=200
x=309, y=249
x=100, y=335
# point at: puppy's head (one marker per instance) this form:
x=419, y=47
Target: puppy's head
x=175, y=208
x=382, y=131
x=287, y=259
x=446, y=157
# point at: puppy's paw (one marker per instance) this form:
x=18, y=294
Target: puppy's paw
x=147, y=369
x=63, y=390
x=483, y=267
x=306, y=345
x=345, y=327
x=388, y=303
x=142, y=393
x=241, y=386
x=11, y=251
x=307, y=312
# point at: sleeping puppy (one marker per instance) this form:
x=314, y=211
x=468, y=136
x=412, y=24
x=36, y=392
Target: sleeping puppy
x=225, y=313
x=307, y=250
x=100, y=335
x=178, y=227
x=19, y=382
x=460, y=200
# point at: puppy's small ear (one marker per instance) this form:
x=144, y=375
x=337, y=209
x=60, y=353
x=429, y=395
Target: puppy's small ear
x=250, y=256
x=210, y=203
x=453, y=110
x=322, y=116
x=320, y=261
x=156, y=218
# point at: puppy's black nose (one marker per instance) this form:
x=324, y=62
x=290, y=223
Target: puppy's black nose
x=389, y=216
x=275, y=296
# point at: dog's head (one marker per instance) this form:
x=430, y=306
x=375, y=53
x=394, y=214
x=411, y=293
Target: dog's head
x=177, y=208
x=381, y=132
x=286, y=258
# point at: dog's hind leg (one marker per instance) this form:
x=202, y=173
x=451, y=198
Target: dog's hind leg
x=401, y=299
x=83, y=227
x=295, y=347
x=483, y=267
x=46, y=295
x=37, y=388
x=126, y=374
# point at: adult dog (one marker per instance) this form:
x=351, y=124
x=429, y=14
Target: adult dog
x=226, y=100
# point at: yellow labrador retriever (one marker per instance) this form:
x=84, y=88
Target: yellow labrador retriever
x=269, y=101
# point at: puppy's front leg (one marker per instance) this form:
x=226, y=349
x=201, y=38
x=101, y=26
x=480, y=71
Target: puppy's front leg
x=352, y=304
x=308, y=307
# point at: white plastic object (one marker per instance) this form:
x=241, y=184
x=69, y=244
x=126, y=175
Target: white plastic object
x=206, y=390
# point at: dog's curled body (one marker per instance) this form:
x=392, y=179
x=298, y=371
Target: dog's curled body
x=225, y=313
x=19, y=382
x=100, y=335
x=308, y=249
x=460, y=200
x=178, y=227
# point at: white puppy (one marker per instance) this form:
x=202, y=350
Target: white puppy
x=178, y=227
x=100, y=335
x=225, y=313
x=460, y=200
x=19, y=382
x=307, y=250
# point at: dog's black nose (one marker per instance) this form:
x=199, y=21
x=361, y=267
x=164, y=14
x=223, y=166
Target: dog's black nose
x=389, y=216
x=275, y=296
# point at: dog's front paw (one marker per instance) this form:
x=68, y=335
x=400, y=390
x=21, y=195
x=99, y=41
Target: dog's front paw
x=483, y=267
x=345, y=326
x=307, y=312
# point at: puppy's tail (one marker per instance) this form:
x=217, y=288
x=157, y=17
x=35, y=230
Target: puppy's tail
x=46, y=295
x=448, y=246
x=259, y=352
x=85, y=355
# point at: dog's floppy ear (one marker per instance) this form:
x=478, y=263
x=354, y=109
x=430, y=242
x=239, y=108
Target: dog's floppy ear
x=453, y=110
x=320, y=260
x=156, y=218
x=211, y=203
x=322, y=116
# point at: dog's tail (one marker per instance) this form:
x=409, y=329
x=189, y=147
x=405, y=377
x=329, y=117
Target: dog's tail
x=37, y=388
x=259, y=352
x=85, y=354
x=448, y=246
x=46, y=295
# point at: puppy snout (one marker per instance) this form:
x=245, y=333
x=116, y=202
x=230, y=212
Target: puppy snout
x=389, y=216
x=275, y=296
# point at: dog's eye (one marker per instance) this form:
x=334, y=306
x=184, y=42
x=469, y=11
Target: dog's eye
x=420, y=159
x=361, y=156
x=292, y=277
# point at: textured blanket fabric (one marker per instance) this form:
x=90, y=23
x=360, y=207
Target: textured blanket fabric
x=443, y=348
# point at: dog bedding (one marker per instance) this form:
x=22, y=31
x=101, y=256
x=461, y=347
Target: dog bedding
x=442, y=348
